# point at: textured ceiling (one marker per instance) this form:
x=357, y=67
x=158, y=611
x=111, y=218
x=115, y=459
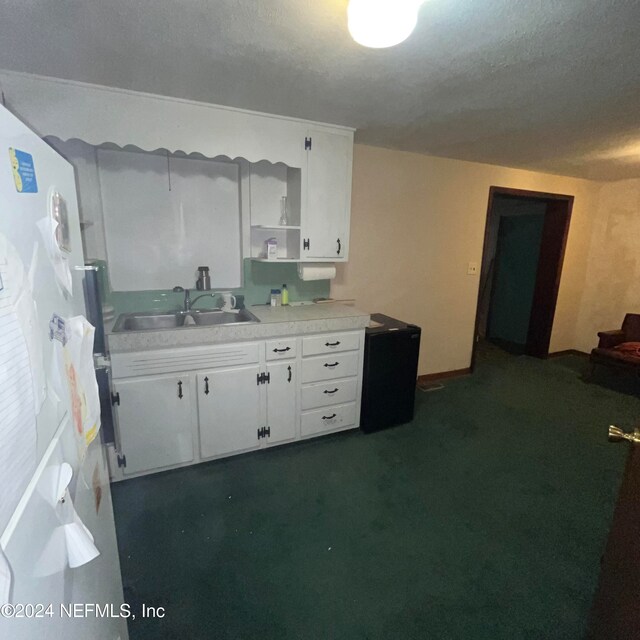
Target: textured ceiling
x=542, y=84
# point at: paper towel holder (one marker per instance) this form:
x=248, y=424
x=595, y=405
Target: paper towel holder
x=308, y=271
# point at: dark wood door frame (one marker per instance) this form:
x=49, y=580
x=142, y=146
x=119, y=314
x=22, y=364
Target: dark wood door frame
x=554, y=241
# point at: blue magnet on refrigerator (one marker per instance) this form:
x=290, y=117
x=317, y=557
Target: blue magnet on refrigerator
x=24, y=171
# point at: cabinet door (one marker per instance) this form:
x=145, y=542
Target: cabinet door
x=325, y=226
x=281, y=401
x=155, y=416
x=229, y=410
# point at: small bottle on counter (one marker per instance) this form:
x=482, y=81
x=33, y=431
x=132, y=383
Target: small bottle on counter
x=285, y=295
x=276, y=298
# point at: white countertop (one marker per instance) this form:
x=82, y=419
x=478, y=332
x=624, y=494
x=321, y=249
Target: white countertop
x=301, y=313
x=274, y=322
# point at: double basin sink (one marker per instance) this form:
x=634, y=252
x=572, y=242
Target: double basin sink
x=179, y=319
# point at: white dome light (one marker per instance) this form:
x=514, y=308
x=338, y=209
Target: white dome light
x=382, y=23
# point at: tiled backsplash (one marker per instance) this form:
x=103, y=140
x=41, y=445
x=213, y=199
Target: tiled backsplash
x=259, y=279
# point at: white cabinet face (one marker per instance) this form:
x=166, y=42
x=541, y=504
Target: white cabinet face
x=330, y=392
x=281, y=401
x=328, y=195
x=338, y=365
x=229, y=410
x=327, y=419
x=155, y=416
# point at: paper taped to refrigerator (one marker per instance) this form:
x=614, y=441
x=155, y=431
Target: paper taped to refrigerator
x=19, y=295
x=59, y=260
x=70, y=544
x=74, y=374
x=17, y=399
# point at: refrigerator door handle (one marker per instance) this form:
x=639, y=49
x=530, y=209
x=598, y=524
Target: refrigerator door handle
x=108, y=417
x=93, y=300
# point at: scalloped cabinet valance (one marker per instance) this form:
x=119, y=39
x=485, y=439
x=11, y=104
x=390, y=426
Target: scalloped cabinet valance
x=101, y=115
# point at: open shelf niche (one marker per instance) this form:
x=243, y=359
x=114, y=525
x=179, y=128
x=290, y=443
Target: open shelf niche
x=268, y=184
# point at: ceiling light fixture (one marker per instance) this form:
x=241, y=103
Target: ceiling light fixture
x=382, y=23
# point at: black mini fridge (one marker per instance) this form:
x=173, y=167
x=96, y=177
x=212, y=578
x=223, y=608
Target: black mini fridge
x=390, y=370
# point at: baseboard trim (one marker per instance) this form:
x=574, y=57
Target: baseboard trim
x=441, y=375
x=568, y=352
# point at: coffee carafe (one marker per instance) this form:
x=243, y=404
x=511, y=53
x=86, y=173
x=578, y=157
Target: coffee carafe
x=203, y=283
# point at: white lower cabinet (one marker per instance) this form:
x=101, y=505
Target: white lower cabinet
x=232, y=398
x=229, y=410
x=281, y=392
x=156, y=421
x=339, y=365
x=325, y=394
x=328, y=419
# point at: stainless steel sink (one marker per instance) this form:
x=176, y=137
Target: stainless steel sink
x=208, y=318
x=145, y=321
x=177, y=320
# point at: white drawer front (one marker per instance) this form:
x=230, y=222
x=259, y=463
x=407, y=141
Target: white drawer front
x=281, y=349
x=328, y=419
x=140, y=363
x=330, y=342
x=339, y=365
x=328, y=393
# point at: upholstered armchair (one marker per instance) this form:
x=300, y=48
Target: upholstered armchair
x=620, y=347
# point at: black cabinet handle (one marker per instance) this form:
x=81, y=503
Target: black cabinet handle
x=335, y=364
x=180, y=389
x=290, y=375
x=332, y=344
x=339, y=246
x=282, y=350
x=206, y=386
x=333, y=415
x=305, y=243
x=330, y=392
x=115, y=398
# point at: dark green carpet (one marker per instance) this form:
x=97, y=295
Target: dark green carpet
x=484, y=518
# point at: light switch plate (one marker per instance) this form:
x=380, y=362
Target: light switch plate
x=472, y=269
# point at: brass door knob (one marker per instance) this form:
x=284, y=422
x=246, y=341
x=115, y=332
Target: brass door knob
x=616, y=435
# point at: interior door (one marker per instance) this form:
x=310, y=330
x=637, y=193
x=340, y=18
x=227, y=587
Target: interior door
x=325, y=229
x=281, y=401
x=616, y=607
x=545, y=295
x=229, y=410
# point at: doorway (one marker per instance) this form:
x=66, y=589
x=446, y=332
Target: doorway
x=525, y=239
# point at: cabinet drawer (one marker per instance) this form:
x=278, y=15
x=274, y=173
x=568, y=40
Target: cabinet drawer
x=315, y=345
x=328, y=393
x=328, y=419
x=281, y=349
x=339, y=365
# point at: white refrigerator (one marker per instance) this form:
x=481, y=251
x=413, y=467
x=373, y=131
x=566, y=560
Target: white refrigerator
x=59, y=566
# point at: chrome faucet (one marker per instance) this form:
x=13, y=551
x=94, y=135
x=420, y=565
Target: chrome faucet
x=188, y=302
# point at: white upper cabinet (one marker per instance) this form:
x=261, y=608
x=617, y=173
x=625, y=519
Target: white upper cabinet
x=98, y=114
x=308, y=162
x=316, y=200
x=327, y=201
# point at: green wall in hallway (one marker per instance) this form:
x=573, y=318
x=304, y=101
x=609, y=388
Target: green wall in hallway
x=517, y=253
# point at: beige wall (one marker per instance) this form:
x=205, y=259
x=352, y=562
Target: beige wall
x=612, y=285
x=416, y=221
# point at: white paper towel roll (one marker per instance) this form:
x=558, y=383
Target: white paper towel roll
x=316, y=270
